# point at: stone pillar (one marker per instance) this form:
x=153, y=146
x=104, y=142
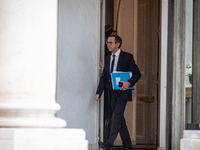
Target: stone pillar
x=28, y=64
x=176, y=65
x=196, y=65
x=28, y=52
x=178, y=96
x=191, y=138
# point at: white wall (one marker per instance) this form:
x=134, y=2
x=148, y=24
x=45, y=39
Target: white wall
x=78, y=51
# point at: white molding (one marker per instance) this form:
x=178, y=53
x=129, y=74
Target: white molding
x=163, y=79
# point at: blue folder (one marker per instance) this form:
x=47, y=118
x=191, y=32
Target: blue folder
x=117, y=76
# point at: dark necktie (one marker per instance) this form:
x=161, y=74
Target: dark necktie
x=111, y=70
x=112, y=64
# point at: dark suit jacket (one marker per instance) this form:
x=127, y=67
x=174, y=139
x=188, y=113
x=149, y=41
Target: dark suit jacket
x=125, y=63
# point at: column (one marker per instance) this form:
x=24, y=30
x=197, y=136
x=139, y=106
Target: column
x=175, y=122
x=178, y=98
x=28, y=52
x=28, y=64
x=196, y=65
x=191, y=138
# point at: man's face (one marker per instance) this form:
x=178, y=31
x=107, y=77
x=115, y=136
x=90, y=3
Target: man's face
x=112, y=47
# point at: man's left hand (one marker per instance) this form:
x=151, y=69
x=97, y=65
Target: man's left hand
x=125, y=86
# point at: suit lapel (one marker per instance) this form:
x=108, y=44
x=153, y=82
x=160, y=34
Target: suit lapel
x=108, y=66
x=120, y=60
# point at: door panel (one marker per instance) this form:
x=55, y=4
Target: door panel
x=147, y=61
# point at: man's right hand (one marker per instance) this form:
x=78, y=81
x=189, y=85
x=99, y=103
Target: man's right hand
x=96, y=97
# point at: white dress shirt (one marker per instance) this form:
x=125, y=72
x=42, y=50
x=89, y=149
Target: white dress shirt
x=116, y=59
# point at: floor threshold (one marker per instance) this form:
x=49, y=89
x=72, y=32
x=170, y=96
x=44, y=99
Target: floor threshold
x=137, y=147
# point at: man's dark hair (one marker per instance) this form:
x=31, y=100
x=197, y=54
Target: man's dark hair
x=118, y=39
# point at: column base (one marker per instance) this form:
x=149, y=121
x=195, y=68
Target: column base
x=30, y=115
x=42, y=139
x=25, y=122
x=191, y=140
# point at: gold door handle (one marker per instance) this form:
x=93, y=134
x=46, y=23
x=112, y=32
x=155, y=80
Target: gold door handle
x=147, y=99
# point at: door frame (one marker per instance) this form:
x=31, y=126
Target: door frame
x=163, y=75
x=101, y=66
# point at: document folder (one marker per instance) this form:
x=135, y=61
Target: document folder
x=117, y=76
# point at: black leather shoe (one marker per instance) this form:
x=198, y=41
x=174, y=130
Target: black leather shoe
x=128, y=149
x=104, y=146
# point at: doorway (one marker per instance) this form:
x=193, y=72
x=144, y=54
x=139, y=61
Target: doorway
x=138, y=25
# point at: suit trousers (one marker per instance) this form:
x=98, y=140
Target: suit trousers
x=118, y=123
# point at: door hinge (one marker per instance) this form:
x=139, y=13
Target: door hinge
x=100, y=66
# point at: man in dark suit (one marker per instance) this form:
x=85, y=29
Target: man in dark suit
x=118, y=61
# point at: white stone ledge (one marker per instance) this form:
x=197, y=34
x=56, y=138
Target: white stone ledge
x=42, y=139
x=191, y=134
x=191, y=140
